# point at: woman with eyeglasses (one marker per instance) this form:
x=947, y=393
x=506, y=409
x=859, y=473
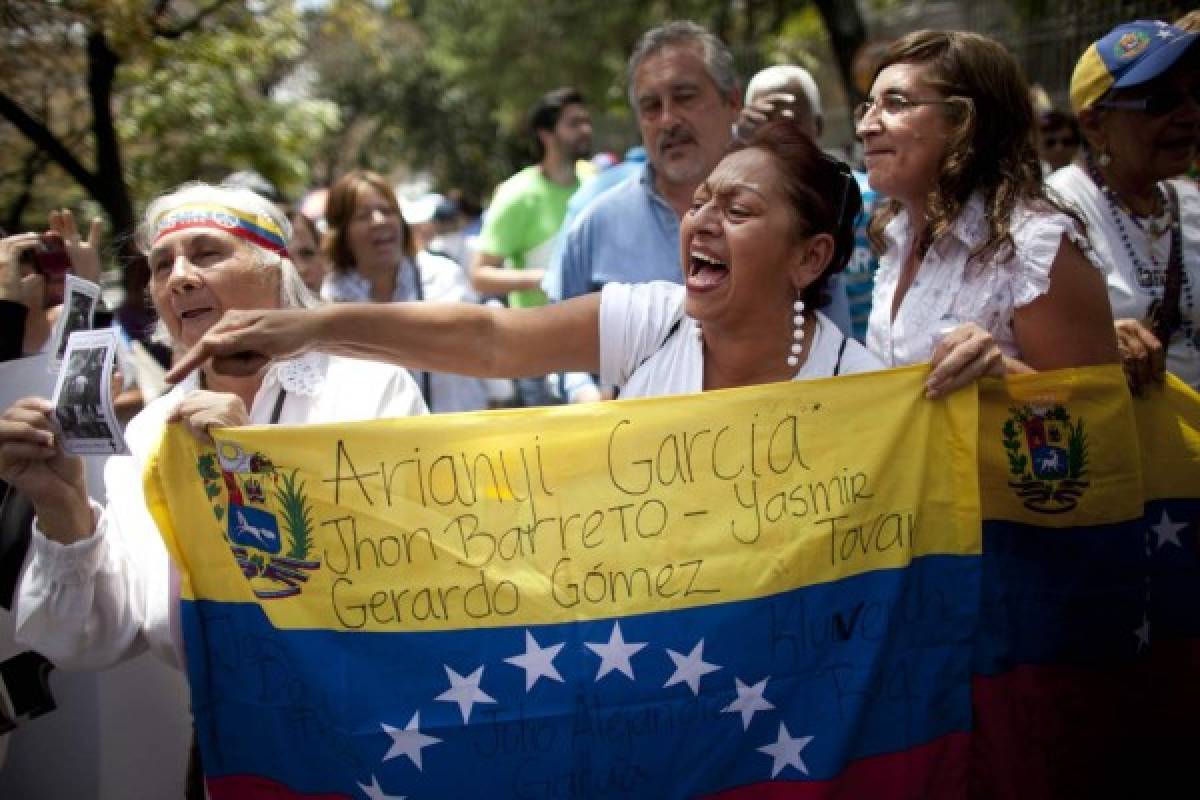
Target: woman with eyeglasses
x=766, y=230
x=1136, y=91
x=980, y=272
x=375, y=259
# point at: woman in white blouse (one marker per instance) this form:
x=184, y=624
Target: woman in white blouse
x=767, y=228
x=99, y=586
x=1140, y=118
x=980, y=273
x=375, y=259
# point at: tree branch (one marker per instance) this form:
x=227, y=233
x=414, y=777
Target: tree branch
x=44, y=139
x=102, y=69
x=33, y=166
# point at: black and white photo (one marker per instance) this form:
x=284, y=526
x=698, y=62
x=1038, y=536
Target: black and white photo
x=78, y=309
x=83, y=404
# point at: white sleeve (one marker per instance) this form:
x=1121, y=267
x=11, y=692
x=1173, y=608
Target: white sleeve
x=635, y=319
x=1037, y=240
x=94, y=603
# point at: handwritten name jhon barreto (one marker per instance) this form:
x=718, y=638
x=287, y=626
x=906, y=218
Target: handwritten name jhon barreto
x=494, y=512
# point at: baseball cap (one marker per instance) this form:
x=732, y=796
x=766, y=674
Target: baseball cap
x=1129, y=55
x=423, y=209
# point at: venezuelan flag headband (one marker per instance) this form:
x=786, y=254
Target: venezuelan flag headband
x=257, y=229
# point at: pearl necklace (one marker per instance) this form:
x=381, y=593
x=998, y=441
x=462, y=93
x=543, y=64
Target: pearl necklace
x=1152, y=280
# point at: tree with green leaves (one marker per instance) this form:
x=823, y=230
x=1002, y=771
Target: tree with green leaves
x=128, y=98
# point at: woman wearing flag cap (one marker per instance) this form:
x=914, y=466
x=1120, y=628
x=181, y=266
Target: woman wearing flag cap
x=980, y=272
x=1136, y=91
x=99, y=586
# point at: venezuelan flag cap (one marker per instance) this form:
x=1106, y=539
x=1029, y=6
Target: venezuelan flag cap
x=1129, y=55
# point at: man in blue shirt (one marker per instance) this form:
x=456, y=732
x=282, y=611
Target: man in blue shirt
x=584, y=196
x=686, y=96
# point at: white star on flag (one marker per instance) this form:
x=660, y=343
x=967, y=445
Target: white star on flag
x=691, y=668
x=375, y=792
x=786, y=751
x=410, y=741
x=537, y=661
x=615, y=654
x=749, y=701
x=1165, y=34
x=464, y=691
x=1142, y=632
x=1167, y=531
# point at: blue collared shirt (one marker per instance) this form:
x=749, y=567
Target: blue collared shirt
x=629, y=234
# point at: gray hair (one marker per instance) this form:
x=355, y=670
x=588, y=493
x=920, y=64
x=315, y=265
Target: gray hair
x=717, y=58
x=782, y=77
x=292, y=291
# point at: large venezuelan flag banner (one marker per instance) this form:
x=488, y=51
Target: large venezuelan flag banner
x=1087, y=661
x=771, y=592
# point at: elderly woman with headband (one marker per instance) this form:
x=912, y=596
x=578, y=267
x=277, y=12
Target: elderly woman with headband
x=1137, y=93
x=980, y=273
x=765, y=231
x=99, y=586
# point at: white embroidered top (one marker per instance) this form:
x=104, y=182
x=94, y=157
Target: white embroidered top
x=94, y=603
x=1131, y=290
x=648, y=345
x=950, y=288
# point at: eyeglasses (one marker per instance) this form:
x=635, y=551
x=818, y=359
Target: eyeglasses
x=1158, y=104
x=895, y=104
x=1059, y=141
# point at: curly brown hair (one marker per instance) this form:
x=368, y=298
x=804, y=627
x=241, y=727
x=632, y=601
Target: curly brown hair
x=991, y=145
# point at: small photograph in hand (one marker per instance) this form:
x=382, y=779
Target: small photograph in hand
x=79, y=308
x=83, y=405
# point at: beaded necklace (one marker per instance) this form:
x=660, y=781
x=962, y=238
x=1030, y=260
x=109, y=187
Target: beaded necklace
x=1153, y=278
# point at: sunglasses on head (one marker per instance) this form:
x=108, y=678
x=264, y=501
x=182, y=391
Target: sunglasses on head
x=1158, y=104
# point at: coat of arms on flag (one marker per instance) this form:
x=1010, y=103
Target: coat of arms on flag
x=1047, y=457
x=264, y=516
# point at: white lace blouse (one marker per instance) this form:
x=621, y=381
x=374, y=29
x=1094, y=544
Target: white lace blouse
x=950, y=288
x=91, y=604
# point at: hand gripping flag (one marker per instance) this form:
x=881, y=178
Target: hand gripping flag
x=767, y=592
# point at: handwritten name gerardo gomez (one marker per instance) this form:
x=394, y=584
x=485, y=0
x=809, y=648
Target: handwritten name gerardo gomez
x=659, y=486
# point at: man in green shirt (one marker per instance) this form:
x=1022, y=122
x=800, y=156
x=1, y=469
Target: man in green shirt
x=527, y=210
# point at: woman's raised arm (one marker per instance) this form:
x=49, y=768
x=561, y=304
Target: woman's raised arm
x=442, y=337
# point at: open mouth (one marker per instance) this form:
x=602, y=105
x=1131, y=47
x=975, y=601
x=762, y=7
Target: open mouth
x=705, y=272
x=193, y=313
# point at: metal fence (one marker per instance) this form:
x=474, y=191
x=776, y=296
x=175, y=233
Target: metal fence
x=1047, y=44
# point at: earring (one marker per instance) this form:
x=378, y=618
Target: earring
x=699, y=332
x=1104, y=159
x=797, y=333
